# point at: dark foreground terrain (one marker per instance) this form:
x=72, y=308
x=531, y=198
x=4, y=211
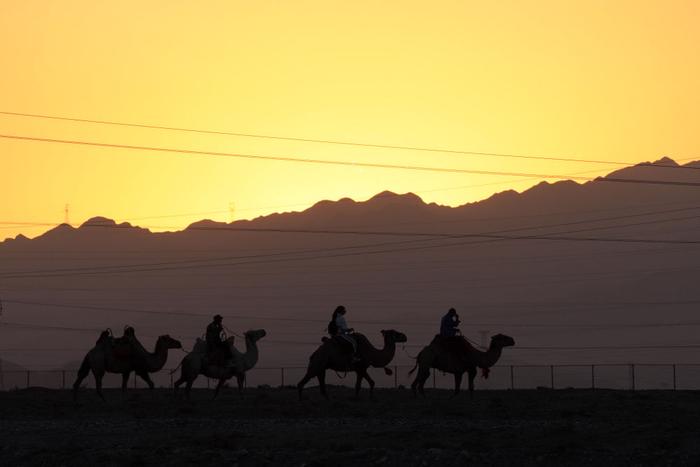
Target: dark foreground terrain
x=270, y=427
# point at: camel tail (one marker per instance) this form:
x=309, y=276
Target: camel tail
x=414, y=368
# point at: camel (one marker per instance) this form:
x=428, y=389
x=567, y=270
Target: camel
x=334, y=354
x=195, y=363
x=436, y=356
x=101, y=359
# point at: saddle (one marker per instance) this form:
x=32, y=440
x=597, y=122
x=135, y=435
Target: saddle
x=121, y=347
x=455, y=345
x=348, y=344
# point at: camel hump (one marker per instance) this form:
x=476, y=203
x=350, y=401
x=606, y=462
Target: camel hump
x=200, y=346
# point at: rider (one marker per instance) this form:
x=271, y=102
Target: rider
x=449, y=331
x=214, y=338
x=339, y=327
x=449, y=324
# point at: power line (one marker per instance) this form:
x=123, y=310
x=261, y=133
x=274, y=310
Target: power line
x=345, y=163
x=324, y=321
x=335, y=142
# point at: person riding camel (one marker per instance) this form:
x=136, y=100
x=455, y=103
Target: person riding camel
x=216, y=345
x=449, y=325
x=450, y=335
x=338, y=327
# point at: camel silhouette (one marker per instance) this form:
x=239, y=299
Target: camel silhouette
x=104, y=358
x=439, y=357
x=196, y=363
x=336, y=355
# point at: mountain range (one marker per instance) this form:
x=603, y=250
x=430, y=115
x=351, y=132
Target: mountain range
x=605, y=263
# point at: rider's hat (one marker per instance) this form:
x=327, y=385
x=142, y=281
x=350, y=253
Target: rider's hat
x=218, y=317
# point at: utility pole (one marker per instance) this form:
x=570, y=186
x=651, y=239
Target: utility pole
x=232, y=210
x=66, y=219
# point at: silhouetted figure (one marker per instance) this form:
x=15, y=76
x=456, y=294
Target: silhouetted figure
x=338, y=327
x=449, y=324
x=123, y=347
x=217, y=348
x=450, y=336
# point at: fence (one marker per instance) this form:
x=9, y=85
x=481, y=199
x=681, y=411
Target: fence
x=595, y=376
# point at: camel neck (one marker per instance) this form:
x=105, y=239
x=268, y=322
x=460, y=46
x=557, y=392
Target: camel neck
x=250, y=357
x=381, y=357
x=489, y=358
x=156, y=360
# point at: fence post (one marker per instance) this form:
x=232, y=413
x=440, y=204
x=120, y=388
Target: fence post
x=28, y=372
x=592, y=376
x=172, y=384
x=674, y=377
x=434, y=379
x=135, y=380
x=512, y=378
x=282, y=376
x=634, y=384
x=207, y=383
x=396, y=376
x=551, y=374
x=63, y=379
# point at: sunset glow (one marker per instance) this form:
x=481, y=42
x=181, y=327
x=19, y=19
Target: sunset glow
x=589, y=80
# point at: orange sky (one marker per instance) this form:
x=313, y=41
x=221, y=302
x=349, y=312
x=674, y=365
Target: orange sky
x=596, y=79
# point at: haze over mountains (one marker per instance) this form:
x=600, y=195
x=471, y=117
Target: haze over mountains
x=395, y=262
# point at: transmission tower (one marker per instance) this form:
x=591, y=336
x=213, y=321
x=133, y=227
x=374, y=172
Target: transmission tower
x=66, y=211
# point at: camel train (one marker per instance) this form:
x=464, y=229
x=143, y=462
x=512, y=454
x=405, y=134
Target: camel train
x=344, y=351
x=125, y=355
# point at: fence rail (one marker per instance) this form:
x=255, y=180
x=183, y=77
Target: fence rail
x=591, y=376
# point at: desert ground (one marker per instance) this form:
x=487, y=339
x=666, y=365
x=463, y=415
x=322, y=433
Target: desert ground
x=269, y=426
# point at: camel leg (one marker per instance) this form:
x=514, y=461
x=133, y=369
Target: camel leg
x=83, y=372
x=358, y=384
x=98, y=384
x=414, y=386
x=369, y=379
x=178, y=383
x=188, y=389
x=145, y=376
x=241, y=381
x=458, y=383
x=322, y=384
x=419, y=383
x=218, y=388
x=472, y=374
x=125, y=381
x=300, y=386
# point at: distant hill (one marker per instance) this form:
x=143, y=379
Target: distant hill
x=394, y=261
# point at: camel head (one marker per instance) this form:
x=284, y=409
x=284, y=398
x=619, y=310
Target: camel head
x=501, y=340
x=255, y=334
x=168, y=342
x=394, y=336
